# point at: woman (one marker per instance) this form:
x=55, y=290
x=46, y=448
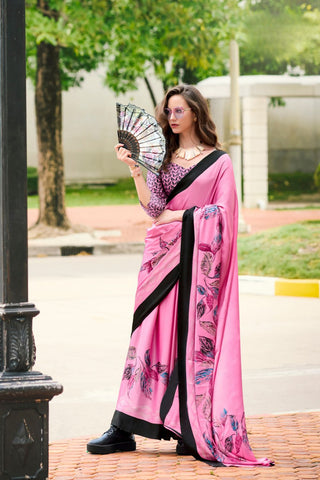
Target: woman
x=182, y=377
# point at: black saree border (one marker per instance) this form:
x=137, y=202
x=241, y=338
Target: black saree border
x=186, y=259
x=187, y=180
x=168, y=397
x=155, y=297
x=185, y=282
x=146, y=429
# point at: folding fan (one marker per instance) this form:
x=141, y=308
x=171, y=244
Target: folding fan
x=142, y=135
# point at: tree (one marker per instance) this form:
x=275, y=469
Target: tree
x=281, y=36
x=179, y=41
x=63, y=38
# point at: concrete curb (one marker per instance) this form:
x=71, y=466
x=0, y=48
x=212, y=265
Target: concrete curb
x=87, y=244
x=94, y=249
x=91, y=243
x=279, y=286
x=297, y=288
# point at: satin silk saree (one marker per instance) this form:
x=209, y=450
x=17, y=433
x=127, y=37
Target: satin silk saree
x=182, y=376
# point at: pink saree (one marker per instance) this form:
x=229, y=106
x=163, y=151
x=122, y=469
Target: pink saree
x=182, y=376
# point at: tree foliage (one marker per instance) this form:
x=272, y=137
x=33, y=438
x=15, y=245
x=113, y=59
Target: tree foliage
x=281, y=36
x=179, y=41
x=77, y=27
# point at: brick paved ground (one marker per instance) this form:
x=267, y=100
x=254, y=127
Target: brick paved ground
x=290, y=440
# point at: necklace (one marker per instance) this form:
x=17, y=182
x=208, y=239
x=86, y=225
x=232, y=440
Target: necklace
x=189, y=153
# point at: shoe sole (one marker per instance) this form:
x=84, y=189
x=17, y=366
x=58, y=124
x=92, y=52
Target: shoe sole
x=183, y=452
x=113, y=448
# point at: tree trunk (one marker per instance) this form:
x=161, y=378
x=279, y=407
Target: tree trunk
x=52, y=210
x=152, y=95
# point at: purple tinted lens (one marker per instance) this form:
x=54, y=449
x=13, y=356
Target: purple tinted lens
x=178, y=112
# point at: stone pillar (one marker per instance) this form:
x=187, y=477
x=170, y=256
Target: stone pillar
x=255, y=151
x=235, y=127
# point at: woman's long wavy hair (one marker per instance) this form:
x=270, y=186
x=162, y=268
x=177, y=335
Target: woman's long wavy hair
x=204, y=126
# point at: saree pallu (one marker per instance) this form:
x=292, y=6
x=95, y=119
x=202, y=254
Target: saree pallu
x=182, y=377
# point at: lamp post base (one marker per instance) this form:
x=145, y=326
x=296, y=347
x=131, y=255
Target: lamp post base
x=24, y=407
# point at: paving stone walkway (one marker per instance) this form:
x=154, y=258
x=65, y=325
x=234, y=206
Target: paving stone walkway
x=132, y=221
x=290, y=440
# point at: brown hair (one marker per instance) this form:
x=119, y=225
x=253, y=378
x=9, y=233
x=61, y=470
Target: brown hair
x=205, y=127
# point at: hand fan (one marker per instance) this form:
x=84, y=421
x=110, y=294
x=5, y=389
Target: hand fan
x=142, y=135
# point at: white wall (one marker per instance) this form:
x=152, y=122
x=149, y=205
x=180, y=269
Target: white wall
x=293, y=133
x=90, y=128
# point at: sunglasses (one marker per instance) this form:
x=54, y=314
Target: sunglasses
x=178, y=111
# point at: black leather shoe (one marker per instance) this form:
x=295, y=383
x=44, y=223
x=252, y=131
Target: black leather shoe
x=113, y=440
x=182, y=449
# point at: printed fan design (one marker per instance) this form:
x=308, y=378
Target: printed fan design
x=142, y=135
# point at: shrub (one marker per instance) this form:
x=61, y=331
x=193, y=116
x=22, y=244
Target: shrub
x=32, y=176
x=282, y=185
x=316, y=177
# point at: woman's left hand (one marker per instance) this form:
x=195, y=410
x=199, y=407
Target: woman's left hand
x=168, y=216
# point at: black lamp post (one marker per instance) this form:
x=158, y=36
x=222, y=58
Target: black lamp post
x=24, y=394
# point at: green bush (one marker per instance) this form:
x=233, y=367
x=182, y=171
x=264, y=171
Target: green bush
x=32, y=176
x=316, y=177
x=281, y=185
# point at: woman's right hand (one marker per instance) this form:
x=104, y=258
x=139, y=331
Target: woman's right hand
x=124, y=155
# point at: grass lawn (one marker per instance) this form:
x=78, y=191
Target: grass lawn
x=290, y=251
x=295, y=187
x=120, y=193
x=304, y=198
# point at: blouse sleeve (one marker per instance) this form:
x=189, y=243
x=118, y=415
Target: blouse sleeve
x=158, y=198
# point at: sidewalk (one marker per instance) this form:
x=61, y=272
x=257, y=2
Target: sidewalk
x=290, y=440
x=122, y=228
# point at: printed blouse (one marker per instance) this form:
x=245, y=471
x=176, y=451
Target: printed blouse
x=161, y=186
